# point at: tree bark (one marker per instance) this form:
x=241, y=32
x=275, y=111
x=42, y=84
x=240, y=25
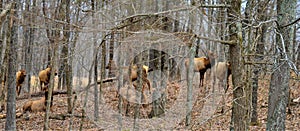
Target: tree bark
x=111, y=54
x=190, y=77
x=68, y=62
x=54, y=46
x=96, y=90
x=12, y=37
x=29, y=36
x=279, y=86
x=259, y=57
x=4, y=61
x=240, y=103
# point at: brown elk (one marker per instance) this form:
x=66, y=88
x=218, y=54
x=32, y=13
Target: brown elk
x=133, y=76
x=201, y=64
x=44, y=77
x=37, y=105
x=222, y=70
x=20, y=78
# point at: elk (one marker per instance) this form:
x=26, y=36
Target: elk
x=20, y=76
x=44, y=77
x=37, y=105
x=134, y=74
x=201, y=64
x=222, y=70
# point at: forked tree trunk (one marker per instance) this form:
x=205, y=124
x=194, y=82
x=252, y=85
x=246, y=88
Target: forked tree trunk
x=279, y=86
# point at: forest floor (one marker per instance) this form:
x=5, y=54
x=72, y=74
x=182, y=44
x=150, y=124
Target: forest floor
x=204, y=114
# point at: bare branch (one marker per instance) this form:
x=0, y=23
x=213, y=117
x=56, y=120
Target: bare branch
x=208, y=38
x=4, y=12
x=295, y=21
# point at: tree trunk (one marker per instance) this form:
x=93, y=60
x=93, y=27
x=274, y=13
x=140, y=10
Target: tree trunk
x=279, y=86
x=68, y=62
x=259, y=57
x=54, y=46
x=120, y=97
x=250, y=69
x=111, y=54
x=28, y=45
x=4, y=58
x=138, y=97
x=190, y=77
x=96, y=91
x=12, y=37
x=53, y=36
x=240, y=103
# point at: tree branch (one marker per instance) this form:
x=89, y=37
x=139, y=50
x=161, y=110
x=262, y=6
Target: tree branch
x=295, y=21
x=4, y=12
x=207, y=38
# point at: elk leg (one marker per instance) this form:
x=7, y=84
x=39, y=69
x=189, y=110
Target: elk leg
x=19, y=89
x=227, y=86
x=41, y=85
x=201, y=78
x=149, y=86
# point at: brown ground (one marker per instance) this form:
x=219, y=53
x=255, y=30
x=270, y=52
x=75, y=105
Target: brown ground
x=216, y=122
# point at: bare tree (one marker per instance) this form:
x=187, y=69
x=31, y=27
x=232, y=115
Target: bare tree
x=12, y=37
x=240, y=102
x=29, y=40
x=4, y=52
x=50, y=87
x=279, y=84
x=96, y=90
x=68, y=63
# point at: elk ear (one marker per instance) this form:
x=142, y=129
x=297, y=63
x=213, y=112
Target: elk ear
x=146, y=68
x=228, y=63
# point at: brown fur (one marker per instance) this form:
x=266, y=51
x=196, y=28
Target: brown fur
x=134, y=70
x=222, y=69
x=134, y=75
x=44, y=77
x=201, y=64
x=35, y=105
x=20, y=76
x=294, y=75
x=146, y=82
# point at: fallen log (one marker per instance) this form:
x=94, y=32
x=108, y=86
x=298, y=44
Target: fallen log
x=64, y=116
x=107, y=80
x=42, y=94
